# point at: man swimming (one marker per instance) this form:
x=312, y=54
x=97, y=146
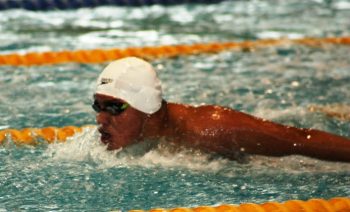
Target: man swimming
x=130, y=109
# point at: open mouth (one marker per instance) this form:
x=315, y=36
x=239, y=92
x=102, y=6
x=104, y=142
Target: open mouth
x=105, y=136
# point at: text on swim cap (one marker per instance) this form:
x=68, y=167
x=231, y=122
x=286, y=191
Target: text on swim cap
x=106, y=81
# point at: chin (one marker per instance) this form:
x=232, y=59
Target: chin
x=114, y=143
x=111, y=146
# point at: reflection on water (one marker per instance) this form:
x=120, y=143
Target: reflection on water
x=155, y=25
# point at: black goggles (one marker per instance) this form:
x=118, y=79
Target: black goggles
x=114, y=108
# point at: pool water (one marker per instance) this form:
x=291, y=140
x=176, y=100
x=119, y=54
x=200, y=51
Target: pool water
x=276, y=83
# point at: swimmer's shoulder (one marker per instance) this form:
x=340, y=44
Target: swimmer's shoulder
x=203, y=110
x=204, y=115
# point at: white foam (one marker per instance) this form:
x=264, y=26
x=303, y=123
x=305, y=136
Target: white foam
x=83, y=146
x=189, y=159
x=297, y=164
x=268, y=113
x=86, y=147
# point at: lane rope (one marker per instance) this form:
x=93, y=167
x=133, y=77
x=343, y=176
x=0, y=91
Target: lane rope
x=37, y=5
x=338, y=111
x=149, y=53
x=337, y=204
x=31, y=136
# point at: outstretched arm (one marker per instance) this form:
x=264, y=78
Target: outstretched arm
x=226, y=132
x=258, y=136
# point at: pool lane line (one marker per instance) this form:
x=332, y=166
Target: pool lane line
x=337, y=204
x=155, y=52
x=44, y=5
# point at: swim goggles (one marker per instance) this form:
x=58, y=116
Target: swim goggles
x=114, y=108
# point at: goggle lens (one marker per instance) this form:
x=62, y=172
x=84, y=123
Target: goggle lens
x=114, y=108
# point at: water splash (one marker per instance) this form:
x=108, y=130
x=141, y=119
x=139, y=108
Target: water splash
x=85, y=147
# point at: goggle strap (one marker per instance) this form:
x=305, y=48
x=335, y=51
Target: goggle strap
x=124, y=106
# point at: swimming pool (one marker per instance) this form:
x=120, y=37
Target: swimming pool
x=277, y=83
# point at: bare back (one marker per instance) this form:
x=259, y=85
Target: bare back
x=226, y=131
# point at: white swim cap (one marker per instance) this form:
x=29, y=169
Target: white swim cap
x=134, y=81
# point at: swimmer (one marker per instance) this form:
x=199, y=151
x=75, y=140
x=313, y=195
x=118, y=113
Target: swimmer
x=130, y=108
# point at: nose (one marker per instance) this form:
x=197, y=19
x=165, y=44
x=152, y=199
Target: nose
x=102, y=118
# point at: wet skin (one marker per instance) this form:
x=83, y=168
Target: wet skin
x=219, y=130
x=119, y=130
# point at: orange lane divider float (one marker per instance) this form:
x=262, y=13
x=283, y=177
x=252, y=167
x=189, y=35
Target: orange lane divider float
x=339, y=204
x=30, y=136
x=148, y=53
x=339, y=111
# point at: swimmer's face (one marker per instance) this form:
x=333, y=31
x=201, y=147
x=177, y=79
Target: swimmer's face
x=120, y=125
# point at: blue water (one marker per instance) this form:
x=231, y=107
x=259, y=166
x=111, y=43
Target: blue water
x=277, y=83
